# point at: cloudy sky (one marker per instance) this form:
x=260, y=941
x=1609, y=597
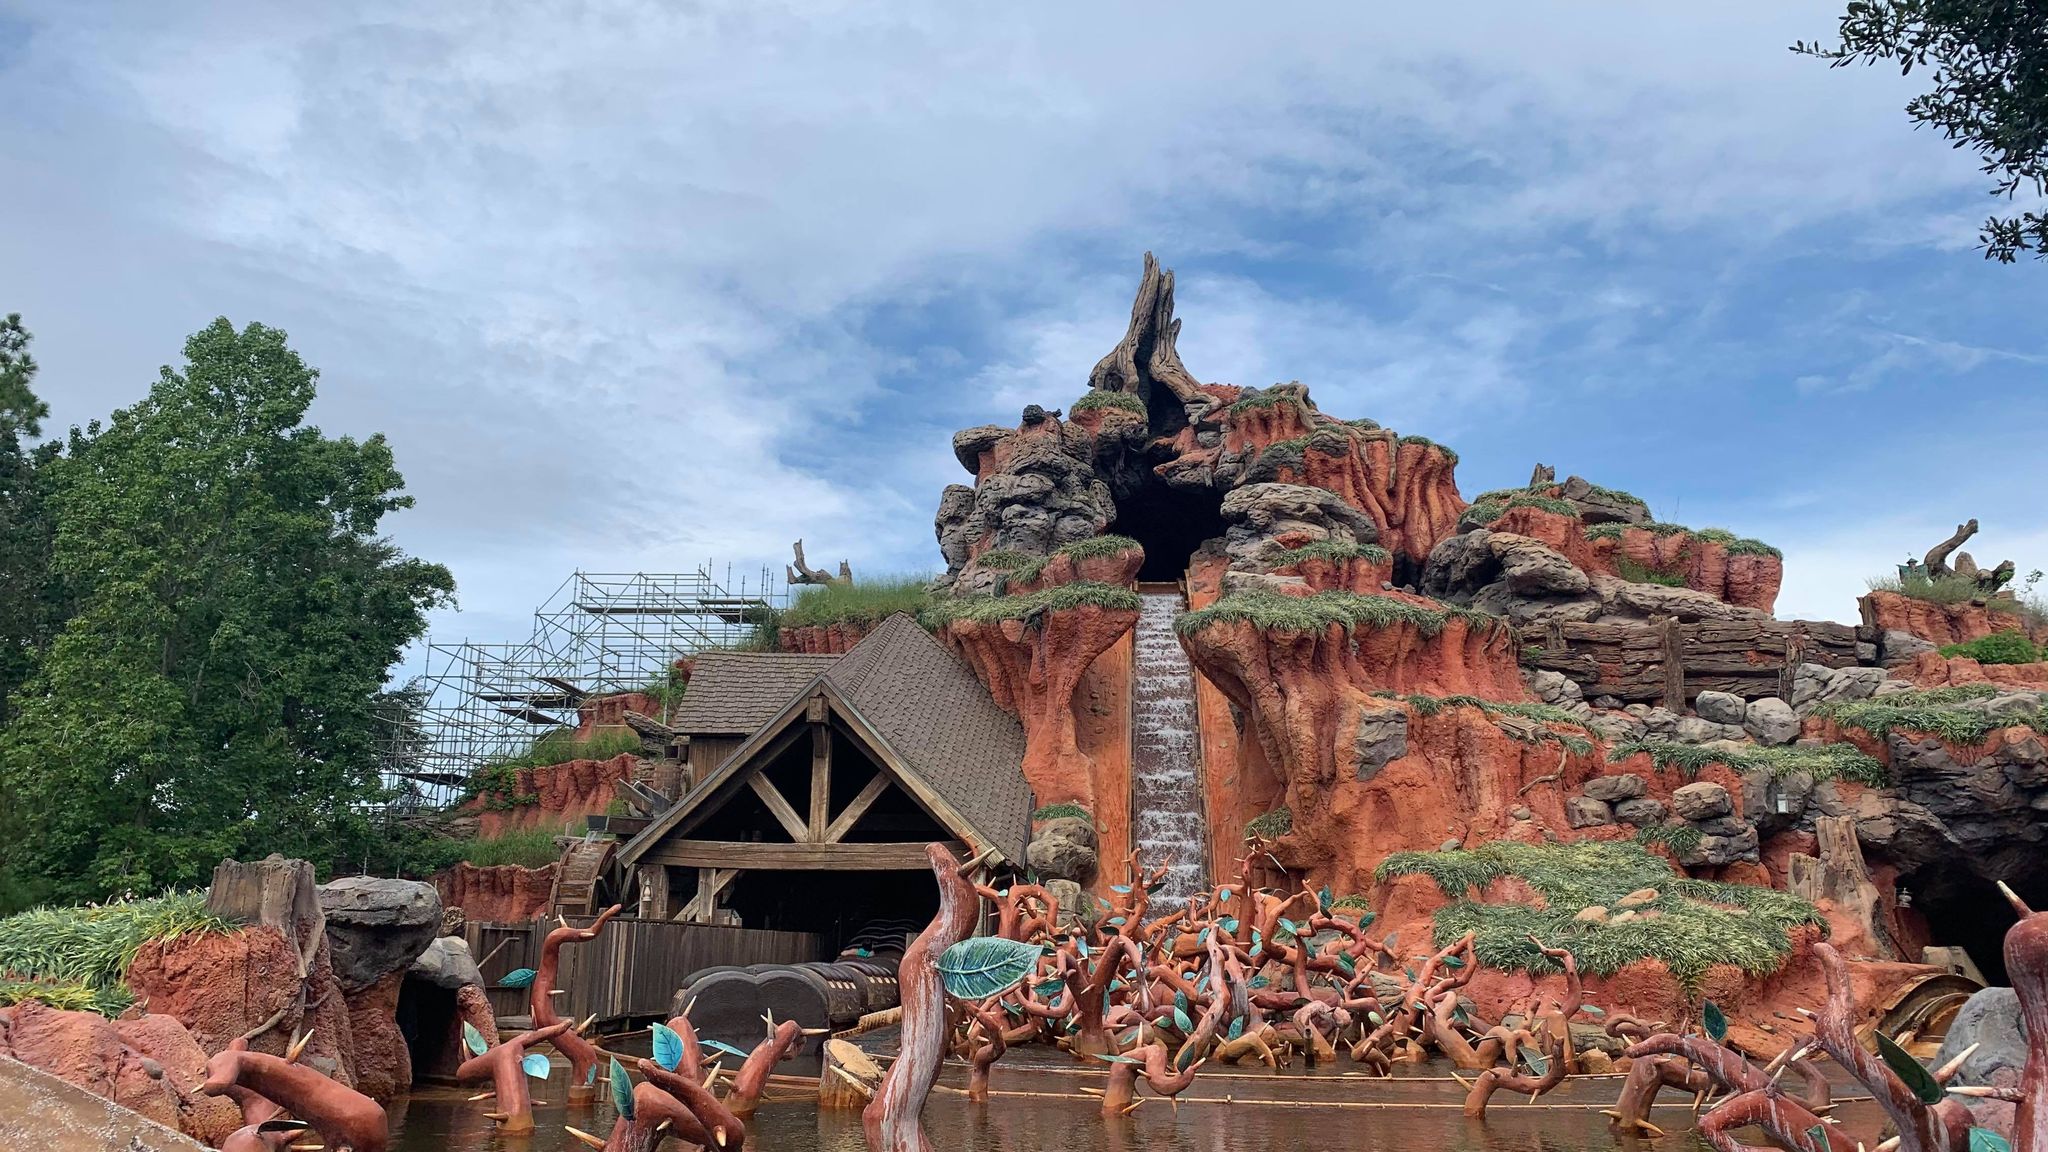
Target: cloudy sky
x=634, y=285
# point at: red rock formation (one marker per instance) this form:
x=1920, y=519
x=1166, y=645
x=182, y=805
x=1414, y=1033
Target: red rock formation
x=1102, y=731
x=1747, y=580
x=1032, y=670
x=221, y=987
x=503, y=894
x=148, y=1064
x=1940, y=624
x=566, y=794
x=383, y=1064
x=609, y=711
x=1933, y=670
x=822, y=639
x=1117, y=568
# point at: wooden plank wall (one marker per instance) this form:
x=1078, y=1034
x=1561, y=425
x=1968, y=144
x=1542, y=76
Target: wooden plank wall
x=1669, y=663
x=634, y=968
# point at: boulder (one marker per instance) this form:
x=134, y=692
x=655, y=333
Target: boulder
x=1382, y=738
x=446, y=963
x=1721, y=707
x=1613, y=789
x=1064, y=849
x=1532, y=568
x=1077, y=907
x=1600, y=506
x=1851, y=684
x=1615, y=727
x=1714, y=851
x=1554, y=687
x=1808, y=681
x=1771, y=721
x=1694, y=730
x=1702, y=800
x=1900, y=649
x=376, y=926
x=1586, y=812
x=1641, y=811
x=1991, y=1021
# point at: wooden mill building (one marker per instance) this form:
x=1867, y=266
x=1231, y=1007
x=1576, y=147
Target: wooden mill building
x=816, y=781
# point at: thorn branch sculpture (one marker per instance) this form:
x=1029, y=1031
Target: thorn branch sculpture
x=342, y=1117
x=581, y=1053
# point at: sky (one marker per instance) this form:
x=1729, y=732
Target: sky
x=634, y=286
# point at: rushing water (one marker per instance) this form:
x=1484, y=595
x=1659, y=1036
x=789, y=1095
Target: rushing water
x=1166, y=791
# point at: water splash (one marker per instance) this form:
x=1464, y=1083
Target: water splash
x=1167, y=823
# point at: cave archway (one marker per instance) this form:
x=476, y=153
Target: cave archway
x=1170, y=523
x=1964, y=910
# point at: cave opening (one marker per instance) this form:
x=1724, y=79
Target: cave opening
x=1964, y=910
x=429, y=1021
x=1170, y=523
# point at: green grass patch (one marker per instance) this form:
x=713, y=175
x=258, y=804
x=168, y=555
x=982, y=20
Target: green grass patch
x=1364, y=425
x=77, y=957
x=1573, y=742
x=1273, y=825
x=1272, y=612
x=1731, y=543
x=1932, y=711
x=1270, y=398
x=1489, y=510
x=1062, y=812
x=1029, y=607
x=527, y=847
x=1007, y=559
x=1636, y=573
x=869, y=602
x=1426, y=442
x=1997, y=648
x=1024, y=567
x=1103, y=398
x=1827, y=762
x=1700, y=923
x=1680, y=837
x=1332, y=552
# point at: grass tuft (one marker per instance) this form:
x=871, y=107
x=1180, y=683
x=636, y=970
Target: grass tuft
x=1489, y=510
x=1031, y=607
x=1103, y=398
x=1933, y=711
x=1272, y=612
x=77, y=958
x=1678, y=836
x=1061, y=812
x=1271, y=826
x=1828, y=762
x=1636, y=573
x=1997, y=648
x=870, y=601
x=526, y=847
x=1332, y=552
x=1699, y=923
x=1731, y=543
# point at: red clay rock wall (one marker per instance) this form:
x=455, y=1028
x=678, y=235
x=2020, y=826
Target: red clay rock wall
x=383, y=1063
x=1747, y=580
x=610, y=711
x=568, y=793
x=503, y=894
x=822, y=639
x=220, y=987
x=1102, y=731
x=1940, y=624
x=1933, y=670
x=107, y=1058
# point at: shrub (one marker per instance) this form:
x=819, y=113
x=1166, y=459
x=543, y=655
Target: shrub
x=78, y=957
x=1829, y=762
x=1102, y=398
x=1636, y=573
x=1947, y=590
x=1699, y=923
x=1062, y=812
x=1679, y=837
x=1997, y=648
x=1269, y=398
x=868, y=602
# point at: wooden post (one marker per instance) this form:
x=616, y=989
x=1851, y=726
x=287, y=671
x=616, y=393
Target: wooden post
x=1674, y=665
x=849, y=1078
x=821, y=780
x=1794, y=654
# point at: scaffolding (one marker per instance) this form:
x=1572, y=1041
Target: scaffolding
x=599, y=633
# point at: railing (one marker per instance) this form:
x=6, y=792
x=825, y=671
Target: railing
x=633, y=968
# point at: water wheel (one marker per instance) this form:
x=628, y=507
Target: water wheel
x=580, y=878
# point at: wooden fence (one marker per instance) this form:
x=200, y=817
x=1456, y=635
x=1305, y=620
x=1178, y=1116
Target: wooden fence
x=633, y=969
x=1670, y=663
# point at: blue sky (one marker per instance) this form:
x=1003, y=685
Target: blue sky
x=634, y=285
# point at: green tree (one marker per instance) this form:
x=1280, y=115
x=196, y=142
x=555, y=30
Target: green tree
x=28, y=601
x=1990, y=62
x=234, y=614
x=21, y=413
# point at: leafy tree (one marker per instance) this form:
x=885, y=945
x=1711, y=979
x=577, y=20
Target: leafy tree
x=234, y=615
x=1990, y=61
x=21, y=414
x=28, y=601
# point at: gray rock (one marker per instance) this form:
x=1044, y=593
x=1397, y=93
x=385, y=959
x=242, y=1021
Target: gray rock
x=1719, y=850
x=1893, y=688
x=1616, y=788
x=1598, y=506
x=1623, y=599
x=2024, y=761
x=1382, y=738
x=1694, y=730
x=376, y=927
x=1586, y=812
x=1702, y=800
x=1615, y=727
x=1900, y=648
x=1991, y=1020
x=446, y=963
x=1763, y=797
x=1851, y=684
x=1077, y=907
x=1721, y=707
x=1661, y=721
x=1521, y=812
x=1611, y=703
x=1532, y=568
x=1771, y=721
x=1064, y=849
x=1808, y=681
x=1554, y=687
x=1641, y=811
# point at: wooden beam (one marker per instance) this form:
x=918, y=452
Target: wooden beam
x=821, y=780
x=1674, y=665
x=654, y=891
x=711, y=882
x=908, y=857
x=784, y=814
x=858, y=808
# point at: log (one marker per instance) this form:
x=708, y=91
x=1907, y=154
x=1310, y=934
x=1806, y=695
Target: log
x=849, y=1079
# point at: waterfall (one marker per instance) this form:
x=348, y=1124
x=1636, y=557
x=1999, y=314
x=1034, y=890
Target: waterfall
x=1167, y=822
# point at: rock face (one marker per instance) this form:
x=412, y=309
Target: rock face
x=500, y=894
x=557, y=796
x=1064, y=849
x=1990, y=1020
x=377, y=927
x=149, y=1065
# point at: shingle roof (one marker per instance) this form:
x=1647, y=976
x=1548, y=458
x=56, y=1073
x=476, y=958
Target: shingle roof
x=733, y=693
x=937, y=716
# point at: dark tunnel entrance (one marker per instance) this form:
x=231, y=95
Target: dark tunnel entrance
x=1964, y=910
x=1171, y=523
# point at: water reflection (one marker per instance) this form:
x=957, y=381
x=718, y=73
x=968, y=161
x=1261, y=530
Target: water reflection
x=438, y=1119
